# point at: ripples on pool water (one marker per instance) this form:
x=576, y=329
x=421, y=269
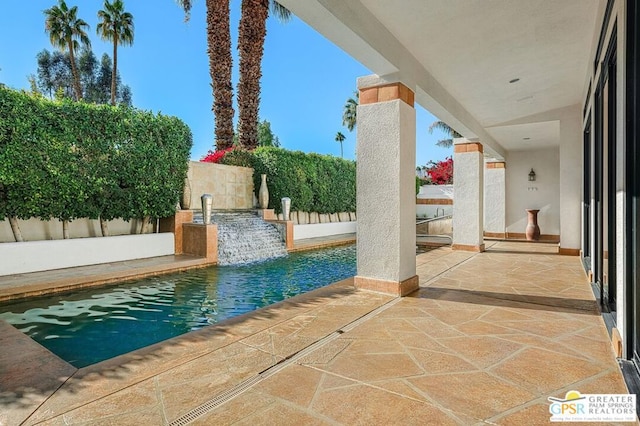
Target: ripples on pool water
x=90, y=325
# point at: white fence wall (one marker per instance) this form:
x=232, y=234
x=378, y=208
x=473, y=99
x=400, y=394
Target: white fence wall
x=323, y=229
x=20, y=258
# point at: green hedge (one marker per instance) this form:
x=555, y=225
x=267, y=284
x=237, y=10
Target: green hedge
x=315, y=183
x=68, y=160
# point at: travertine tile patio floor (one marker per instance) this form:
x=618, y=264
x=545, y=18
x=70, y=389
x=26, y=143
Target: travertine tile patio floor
x=486, y=339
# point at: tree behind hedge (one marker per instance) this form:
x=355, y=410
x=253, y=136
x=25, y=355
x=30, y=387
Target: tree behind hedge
x=67, y=160
x=54, y=78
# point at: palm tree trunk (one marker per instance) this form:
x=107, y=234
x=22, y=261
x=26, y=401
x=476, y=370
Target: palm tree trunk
x=251, y=37
x=74, y=72
x=15, y=228
x=115, y=69
x=65, y=229
x=220, y=63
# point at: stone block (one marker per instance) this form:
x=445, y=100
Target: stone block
x=201, y=240
x=324, y=218
x=303, y=218
x=241, y=202
x=267, y=214
x=333, y=217
x=368, y=95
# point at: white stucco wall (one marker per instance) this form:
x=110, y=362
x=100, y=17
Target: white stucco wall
x=543, y=194
x=435, y=192
x=314, y=230
x=20, y=258
x=386, y=148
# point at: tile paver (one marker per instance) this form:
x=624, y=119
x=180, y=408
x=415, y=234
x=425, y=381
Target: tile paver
x=487, y=338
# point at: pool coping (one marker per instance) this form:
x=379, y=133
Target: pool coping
x=77, y=387
x=19, y=286
x=13, y=287
x=25, y=362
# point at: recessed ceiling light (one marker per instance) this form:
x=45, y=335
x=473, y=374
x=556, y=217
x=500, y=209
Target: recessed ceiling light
x=526, y=139
x=515, y=80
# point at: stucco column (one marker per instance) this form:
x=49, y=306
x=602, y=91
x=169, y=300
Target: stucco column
x=570, y=182
x=494, y=199
x=468, y=189
x=386, y=157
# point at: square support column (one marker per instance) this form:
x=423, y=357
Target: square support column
x=468, y=188
x=494, y=199
x=386, y=151
x=571, y=182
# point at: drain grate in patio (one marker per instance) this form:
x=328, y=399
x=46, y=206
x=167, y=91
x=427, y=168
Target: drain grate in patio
x=243, y=386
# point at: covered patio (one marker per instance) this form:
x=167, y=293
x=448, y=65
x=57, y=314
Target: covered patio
x=546, y=97
x=488, y=337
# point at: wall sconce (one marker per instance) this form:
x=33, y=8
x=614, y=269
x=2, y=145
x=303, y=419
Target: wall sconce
x=532, y=176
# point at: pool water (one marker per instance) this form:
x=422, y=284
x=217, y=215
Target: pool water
x=90, y=325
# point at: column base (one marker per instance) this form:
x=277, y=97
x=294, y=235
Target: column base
x=465, y=247
x=568, y=251
x=499, y=235
x=616, y=342
x=393, y=288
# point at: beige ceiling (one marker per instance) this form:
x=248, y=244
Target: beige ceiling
x=460, y=55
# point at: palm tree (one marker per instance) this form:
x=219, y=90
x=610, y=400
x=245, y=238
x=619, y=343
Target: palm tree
x=65, y=29
x=116, y=26
x=251, y=36
x=219, y=50
x=340, y=138
x=349, y=115
x=446, y=129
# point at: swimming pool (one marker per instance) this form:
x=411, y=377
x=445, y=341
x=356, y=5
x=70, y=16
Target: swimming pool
x=90, y=325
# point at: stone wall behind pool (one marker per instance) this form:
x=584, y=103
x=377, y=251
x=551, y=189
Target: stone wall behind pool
x=230, y=186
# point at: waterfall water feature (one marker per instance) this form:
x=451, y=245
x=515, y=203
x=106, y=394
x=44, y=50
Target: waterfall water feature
x=243, y=237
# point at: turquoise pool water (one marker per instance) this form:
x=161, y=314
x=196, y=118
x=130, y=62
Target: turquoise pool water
x=90, y=325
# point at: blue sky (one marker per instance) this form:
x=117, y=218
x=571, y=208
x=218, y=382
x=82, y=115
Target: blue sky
x=306, y=79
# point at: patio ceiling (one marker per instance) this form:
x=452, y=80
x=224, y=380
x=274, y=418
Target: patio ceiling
x=460, y=56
